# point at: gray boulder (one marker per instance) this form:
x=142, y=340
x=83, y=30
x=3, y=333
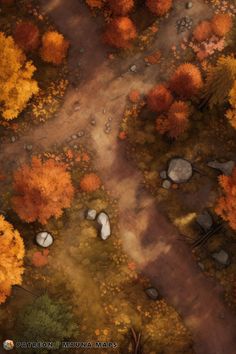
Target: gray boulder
x=91, y=214
x=104, y=221
x=225, y=167
x=221, y=257
x=152, y=293
x=205, y=220
x=44, y=239
x=180, y=170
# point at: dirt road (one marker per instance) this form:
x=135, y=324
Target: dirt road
x=148, y=237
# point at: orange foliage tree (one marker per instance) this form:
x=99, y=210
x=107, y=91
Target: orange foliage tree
x=221, y=24
x=186, y=80
x=90, y=183
x=203, y=31
x=121, y=7
x=159, y=99
x=42, y=190
x=95, y=3
x=159, y=7
x=120, y=32
x=11, y=260
x=226, y=206
x=26, y=35
x=54, y=47
x=176, y=121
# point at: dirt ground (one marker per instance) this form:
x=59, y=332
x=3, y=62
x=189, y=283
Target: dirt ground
x=148, y=237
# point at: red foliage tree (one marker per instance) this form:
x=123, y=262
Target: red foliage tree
x=42, y=190
x=159, y=99
x=121, y=7
x=186, y=81
x=159, y=7
x=90, y=183
x=221, y=24
x=226, y=206
x=120, y=32
x=26, y=35
x=203, y=31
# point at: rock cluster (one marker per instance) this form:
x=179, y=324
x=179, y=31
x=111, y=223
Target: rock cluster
x=102, y=220
x=184, y=24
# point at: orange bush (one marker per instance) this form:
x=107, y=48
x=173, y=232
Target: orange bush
x=42, y=190
x=226, y=206
x=120, y=32
x=121, y=7
x=26, y=35
x=90, y=183
x=95, y=3
x=186, y=80
x=159, y=7
x=159, y=99
x=203, y=31
x=134, y=96
x=54, y=47
x=11, y=260
x=178, y=118
x=221, y=24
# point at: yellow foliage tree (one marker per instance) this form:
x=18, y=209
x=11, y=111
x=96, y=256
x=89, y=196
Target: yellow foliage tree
x=54, y=47
x=16, y=83
x=231, y=113
x=11, y=260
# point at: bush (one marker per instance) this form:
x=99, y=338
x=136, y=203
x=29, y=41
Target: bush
x=120, y=32
x=221, y=24
x=95, y=3
x=203, y=31
x=121, y=7
x=186, y=81
x=26, y=36
x=159, y=99
x=54, y=47
x=90, y=183
x=159, y=7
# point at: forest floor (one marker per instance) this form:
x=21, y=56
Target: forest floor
x=148, y=237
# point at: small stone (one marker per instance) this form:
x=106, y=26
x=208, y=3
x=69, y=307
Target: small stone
x=180, y=170
x=225, y=167
x=103, y=220
x=133, y=68
x=93, y=122
x=13, y=139
x=44, y=239
x=189, y=5
x=166, y=184
x=163, y=174
x=152, y=293
x=201, y=266
x=91, y=214
x=80, y=134
x=81, y=50
x=74, y=136
x=221, y=257
x=29, y=147
x=205, y=220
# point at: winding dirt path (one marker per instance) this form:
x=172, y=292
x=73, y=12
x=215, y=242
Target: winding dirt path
x=148, y=236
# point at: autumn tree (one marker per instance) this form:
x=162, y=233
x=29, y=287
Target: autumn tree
x=121, y=7
x=54, y=47
x=221, y=24
x=220, y=80
x=226, y=205
x=45, y=320
x=186, y=81
x=159, y=99
x=26, y=36
x=120, y=32
x=16, y=83
x=42, y=190
x=11, y=260
x=95, y=3
x=175, y=122
x=90, y=183
x=231, y=113
x=203, y=31
x=159, y=7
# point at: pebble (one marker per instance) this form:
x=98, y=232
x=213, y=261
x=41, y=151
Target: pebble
x=152, y=293
x=201, y=266
x=93, y=122
x=80, y=134
x=221, y=257
x=13, y=139
x=29, y=147
x=91, y=214
x=163, y=174
x=166, y=184
x=74, y=136
x=189, y=5
x=133, y=68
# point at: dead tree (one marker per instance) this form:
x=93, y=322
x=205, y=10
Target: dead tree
x=137, y=342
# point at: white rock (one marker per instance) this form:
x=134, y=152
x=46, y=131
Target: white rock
x=91, y=214
x=166, y=184
x=103, y=220
x=133, y=68
x=180, y=170
x=44, y=239
x=222, y=257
